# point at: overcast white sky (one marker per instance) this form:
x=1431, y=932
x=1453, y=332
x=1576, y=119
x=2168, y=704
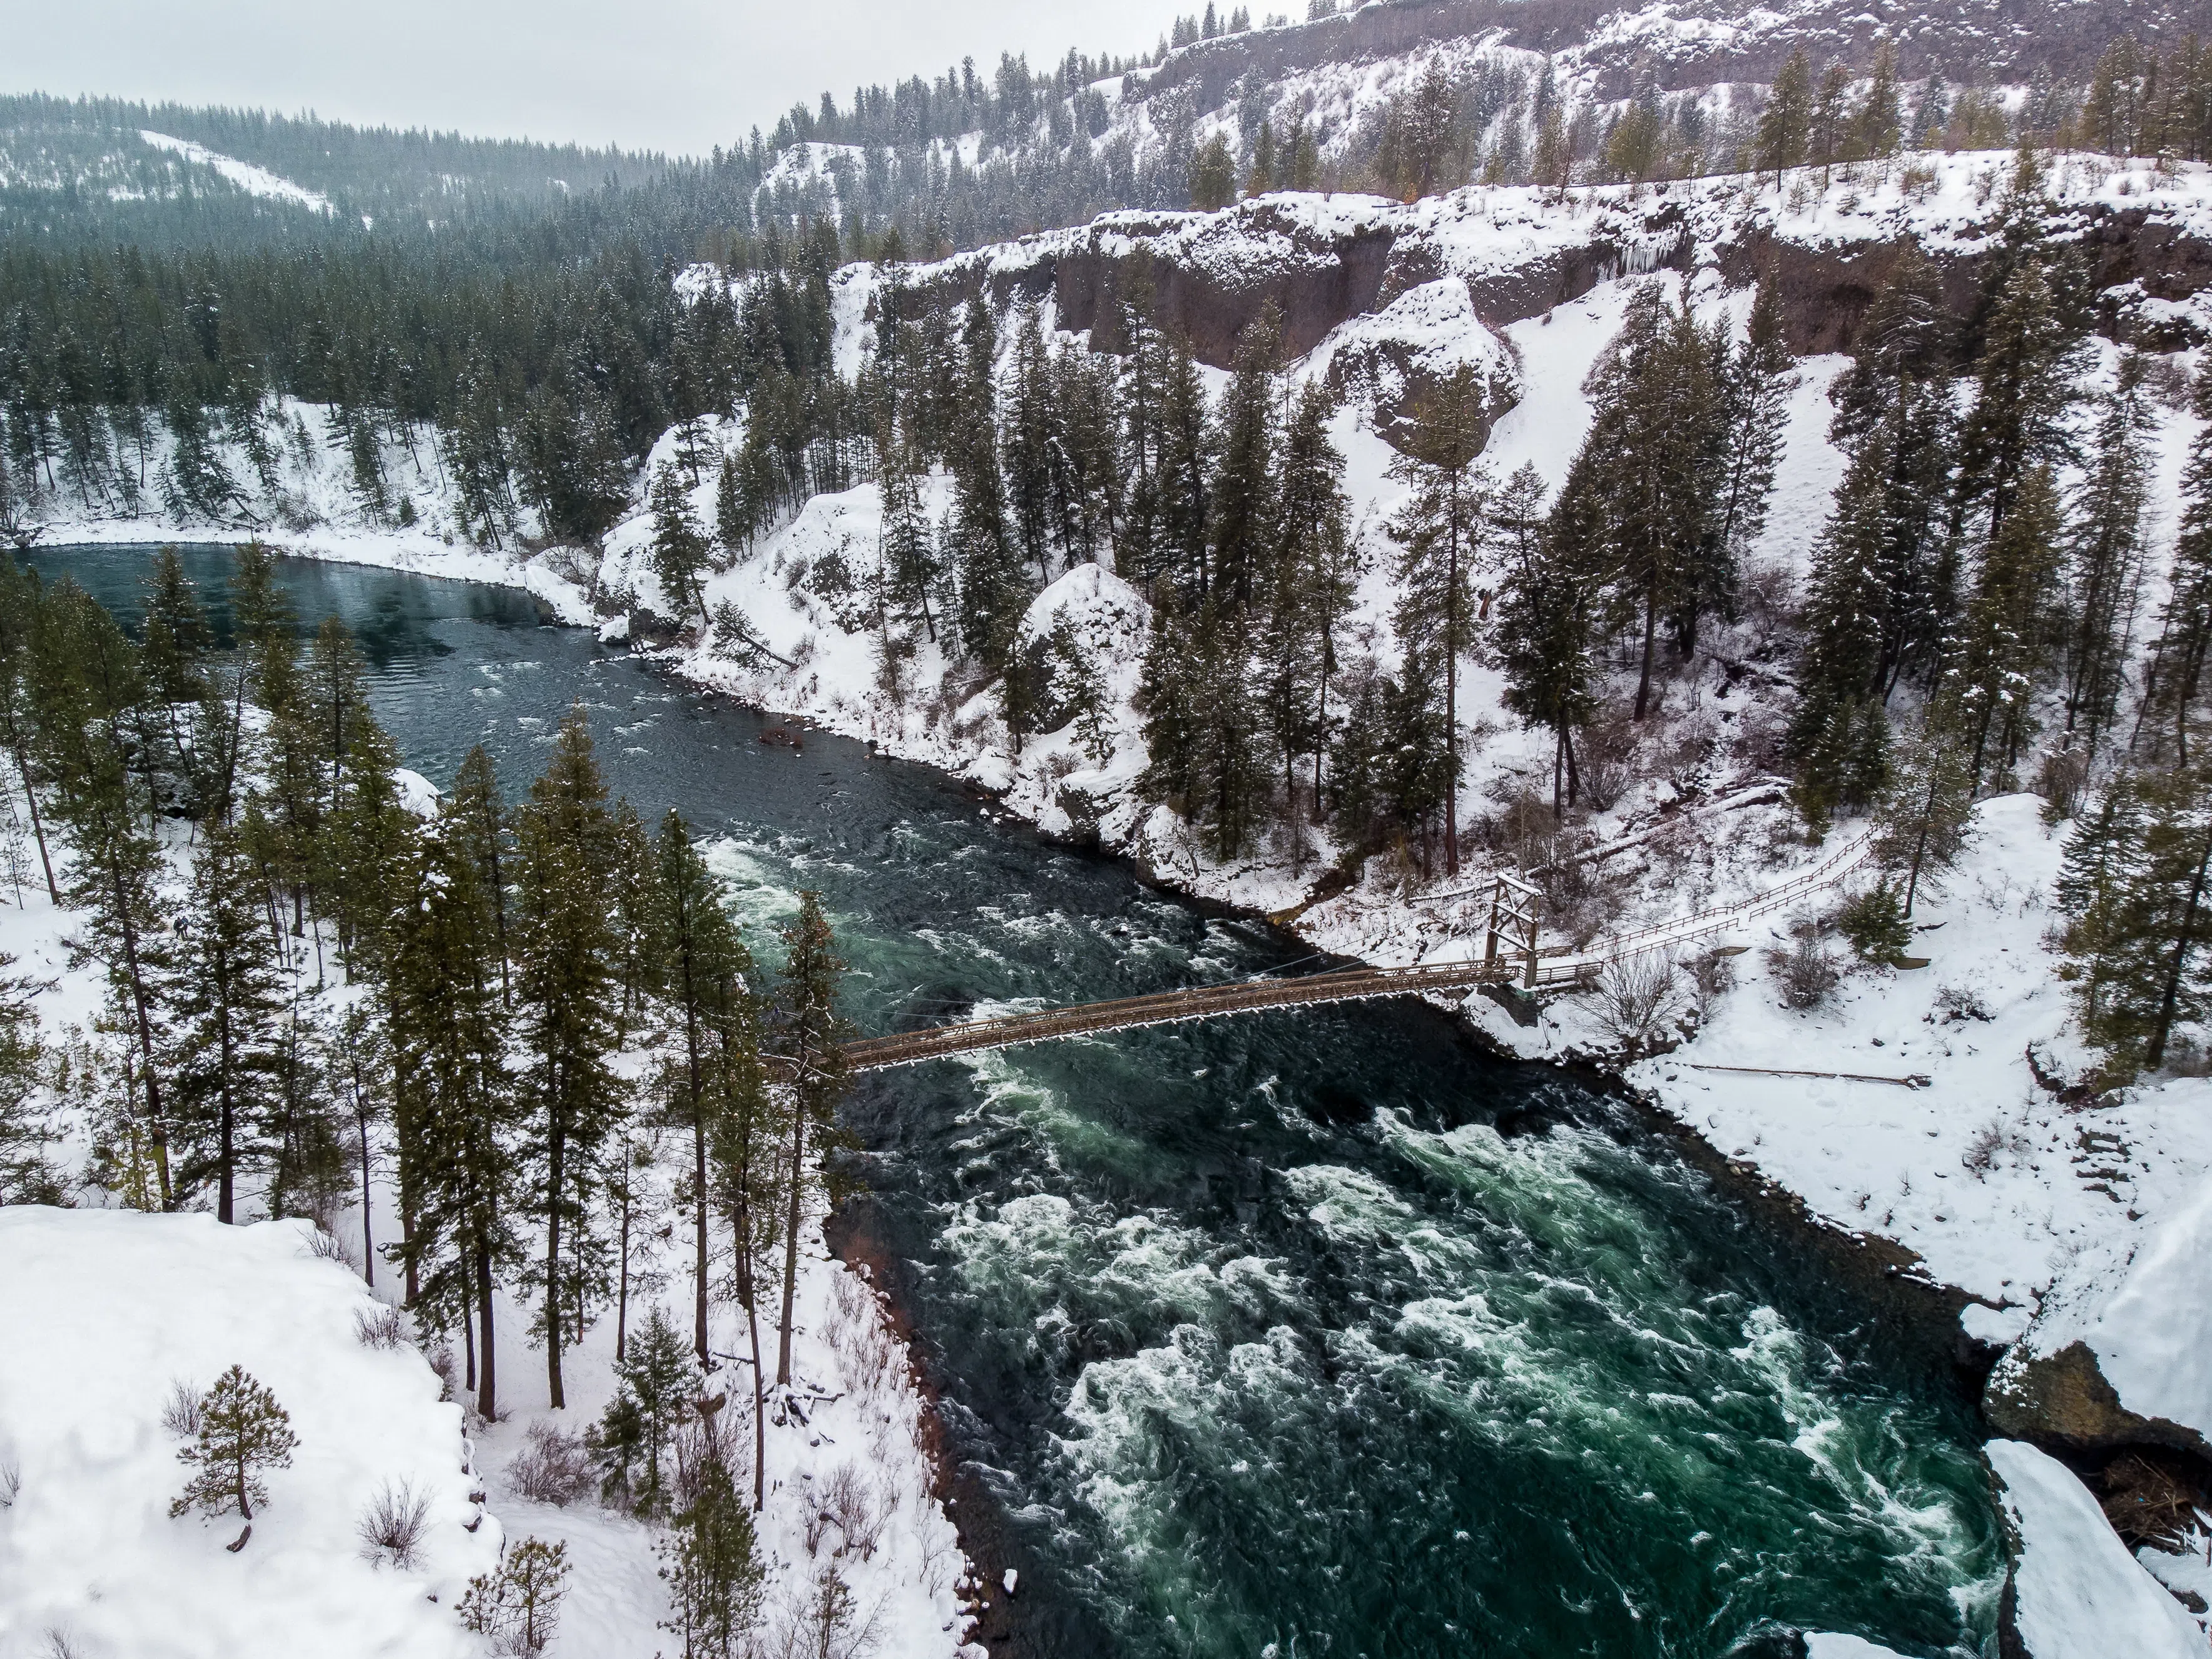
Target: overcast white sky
x=674, y=75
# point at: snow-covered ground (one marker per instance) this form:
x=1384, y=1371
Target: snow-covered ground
x=103, y=1312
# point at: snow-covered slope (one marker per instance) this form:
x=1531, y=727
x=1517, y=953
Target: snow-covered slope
x=102, y=1313
x=2079, y=1593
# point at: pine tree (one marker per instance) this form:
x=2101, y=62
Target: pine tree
x=1212, y=175
x=19, y=612
x=680, y=546
x=242, y=1433
x=173, y=647
x=1785, y=126
x=712, y=1568
x=82, y=680
x=696, y=957
x=807, y=1038
x=568, y=998
x=1440, y=534
x=2105, y=559
x=1243, y=505
x=1894, y=419
x=2138, y=880
x=2005, y=639
x=1546, y=620
x=1316, y=571
x=1921, y=820
x=26, y=1175
x=1750, y=389
x=2023, y=383
x=908, y=553
x=1187, y=448
x=656, y=1381
x=480, y=818
x=228, y=1005
x=2176, y=679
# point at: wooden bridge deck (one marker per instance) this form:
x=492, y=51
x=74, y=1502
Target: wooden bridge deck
x=1168, y=1007
x=1547, y=969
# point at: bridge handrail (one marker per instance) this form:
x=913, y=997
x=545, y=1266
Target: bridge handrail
x=1197, y=1001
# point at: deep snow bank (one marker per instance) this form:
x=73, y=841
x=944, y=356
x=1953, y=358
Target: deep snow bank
x=100, y=1312
x=2078, y=1592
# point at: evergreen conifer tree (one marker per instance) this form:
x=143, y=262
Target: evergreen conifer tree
x=679, y=545
x=229, y=1007
x=711, y=1567
x=454, y=1105
x=2176, y=681
x=569, y=1000
x=1546, y=618
x=807, y=1037
x=696, y=957
x=243, y=1432
x=2105, y=559
x=1440, y=534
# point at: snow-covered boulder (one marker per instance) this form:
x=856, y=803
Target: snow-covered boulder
x=417, y=792
x=1089, y=620
x=2077, y=1594
x=101, y=1313
x=1391, y=359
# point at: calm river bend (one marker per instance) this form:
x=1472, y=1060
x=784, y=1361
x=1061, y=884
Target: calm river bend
x=1294, y=1334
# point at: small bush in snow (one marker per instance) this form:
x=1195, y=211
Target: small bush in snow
x=1633, y=997
x=856, y=1508
x=554, y=1467
x=180, y=1413
x=1876, y=925
x=11, y=1482
x=517, y=1603
x=392, y=1525
x=1961, y=1002
x=242, y=1431
x=384, y=1328
x=826, y=1622
x=323, y=1246
x=1804, y=973
x=1712, y=976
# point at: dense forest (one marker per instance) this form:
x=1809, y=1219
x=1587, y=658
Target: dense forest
x=311, y=991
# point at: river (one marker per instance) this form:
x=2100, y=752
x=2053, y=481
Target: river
x=1301, y=1334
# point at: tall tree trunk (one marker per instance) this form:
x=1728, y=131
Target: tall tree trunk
x=488, y=1369
x=1650, y=633
x=38, y=831
x=791, y=1241
x=554, y=1174
x=156, y=1126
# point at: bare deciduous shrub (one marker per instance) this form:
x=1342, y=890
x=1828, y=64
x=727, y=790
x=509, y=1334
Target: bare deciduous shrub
x=825, y=1621
x=1961, y=1002
x=180, y=1412
x=1633, y=998
x=392, y=1525
x=1712, y=976
x=1803, y=971
x=323, y=1246
x=553, y=1468
x=11, y=1482
x=384, y=1328
x=855, y=1507
x=867, y=1352
x=1608, y=761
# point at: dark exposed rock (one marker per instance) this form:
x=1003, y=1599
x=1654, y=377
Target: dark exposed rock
x=2062, y=1401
